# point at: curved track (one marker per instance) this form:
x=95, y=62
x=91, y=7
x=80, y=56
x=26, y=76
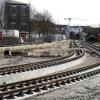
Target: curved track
x=37, y=65
x=43, y=64
x=47, y=82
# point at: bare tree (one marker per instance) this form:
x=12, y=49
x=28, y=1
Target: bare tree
x=43, y=24
x=33, y=12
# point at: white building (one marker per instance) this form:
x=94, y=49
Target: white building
x=75, y=29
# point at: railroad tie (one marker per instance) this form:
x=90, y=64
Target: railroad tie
x=21, y=93
x=21, y=85
x=77, y=78
x=97, y=72
x=63, y=83
x=81, y=77
x=79, y=70
x=27, y=69
x=35, y=68
x=44, y=87
x=3, y=73
x=45, y=79
x=88, y=75
x=71, y=72
x=4, y=88
x=14, y=71
x=57, y=84
x=13, y=87
x=29, y=91
x=94, y=73
x=55, y=77
x=19, y=70
x=68, y=73
x=68, y=81
x=85, y=76
x=23, y=70
x=91, y=74
x=34, y=82
x=40, y=81
x=60, y=76
x=50, y=65
x=31, y=68
x=51, y=86
x=37, y=89
x=11, y=96
x=1, y=98
x=46, y=65
x=39, y=67
x=73, y=79
x=50, y=78
x=27, y=83
x=64, y=75
x=74, y=72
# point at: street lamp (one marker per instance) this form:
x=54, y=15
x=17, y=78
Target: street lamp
x=69, y=20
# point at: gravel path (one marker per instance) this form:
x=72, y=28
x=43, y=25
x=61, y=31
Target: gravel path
x=4, y=62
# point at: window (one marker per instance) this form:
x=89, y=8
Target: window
x=23, y=23
x=23, y=27
x=13, y=25
x=23, y=10
x=13, y=10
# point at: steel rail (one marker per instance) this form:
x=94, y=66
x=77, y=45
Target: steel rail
x=91, y=47
x=36, y=85
x=31, y=66
x=39, y=65
x=48, y=81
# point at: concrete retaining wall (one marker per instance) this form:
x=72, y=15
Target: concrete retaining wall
x=60, y=67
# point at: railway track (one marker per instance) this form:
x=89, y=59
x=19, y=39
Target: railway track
x=32, y=66
x=37, y=65
x=11, y=90
x=43, y=64
x=96, y=47
x=44, y=83
x=92, y=48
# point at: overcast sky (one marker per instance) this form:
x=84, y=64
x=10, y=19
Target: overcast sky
x=87, y=12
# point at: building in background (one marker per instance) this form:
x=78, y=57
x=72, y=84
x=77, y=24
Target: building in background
x=98, y=37
x=16, y=15
x=65, y=30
